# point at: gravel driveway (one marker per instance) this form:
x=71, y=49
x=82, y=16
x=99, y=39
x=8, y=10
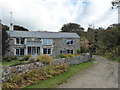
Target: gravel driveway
x=104, y=74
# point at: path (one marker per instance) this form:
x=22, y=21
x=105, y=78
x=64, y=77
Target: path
x=101, y=75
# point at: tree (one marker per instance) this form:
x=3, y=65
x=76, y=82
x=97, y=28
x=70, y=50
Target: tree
x=5, y=37
x=73, y=27
x=5, y=44
x=20, y=28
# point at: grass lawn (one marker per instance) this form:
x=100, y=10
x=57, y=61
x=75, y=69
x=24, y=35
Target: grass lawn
x=57, y=80
x=12, y=62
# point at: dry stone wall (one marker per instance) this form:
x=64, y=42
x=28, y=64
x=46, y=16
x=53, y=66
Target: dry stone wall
x=12, y=70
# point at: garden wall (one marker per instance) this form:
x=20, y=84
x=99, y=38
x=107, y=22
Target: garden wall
x=11, y=70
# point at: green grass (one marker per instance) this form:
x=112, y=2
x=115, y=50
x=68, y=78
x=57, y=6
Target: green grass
x=57, y=80
x=113, y=58
x=12, y=63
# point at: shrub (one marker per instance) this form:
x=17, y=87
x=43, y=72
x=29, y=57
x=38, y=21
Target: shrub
x=17, y=79
x=69, y=55
x=9, y=58
x=77, y=51
x=44, y=58
x=27, y=57
x=61, y=56
x=34, y=76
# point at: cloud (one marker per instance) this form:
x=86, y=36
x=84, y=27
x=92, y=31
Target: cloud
x=50, y=15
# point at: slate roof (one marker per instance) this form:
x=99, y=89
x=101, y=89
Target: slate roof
x=38, y=34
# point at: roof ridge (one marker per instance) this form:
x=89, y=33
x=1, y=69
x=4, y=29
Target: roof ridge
x=42, y=31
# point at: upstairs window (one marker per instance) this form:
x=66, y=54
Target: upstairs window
x=20, y=41
x=47, y=41
x=70, y=42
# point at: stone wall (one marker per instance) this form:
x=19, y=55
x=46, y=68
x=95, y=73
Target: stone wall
x=60, y=44
x=11, y=70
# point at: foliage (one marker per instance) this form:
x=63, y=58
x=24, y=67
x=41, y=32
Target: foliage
x=9, y=58
x=34, y=76
x=66, y=55
x=27, y=57
x=20, y=28
x=105, y=40
x=44, y=58
x=69, y=55
x=113, y=58
x=77, y=51
x=73, y=27
x=57, y=80
x=61, y=56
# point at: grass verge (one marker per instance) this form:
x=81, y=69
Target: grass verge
x=57, y=80
x=12, y=63
x=113, y=58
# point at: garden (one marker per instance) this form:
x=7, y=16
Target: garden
x=38, y=76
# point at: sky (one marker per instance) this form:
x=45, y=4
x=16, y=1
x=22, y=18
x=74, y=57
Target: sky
x=51, y=15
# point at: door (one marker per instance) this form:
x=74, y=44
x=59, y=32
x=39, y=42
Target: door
x=34, y=51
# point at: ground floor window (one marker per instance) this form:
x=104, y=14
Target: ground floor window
x=34, y=50
x=63, y=52
x=47, y=51
x=70, y=51
x=19, y=51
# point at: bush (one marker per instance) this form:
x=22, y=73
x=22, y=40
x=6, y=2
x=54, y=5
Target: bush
x=61, y=56
x=34, y=76
x=69, y=55
x=9, y=58
x=77, y=51
x=27, y=57
x=44, y=58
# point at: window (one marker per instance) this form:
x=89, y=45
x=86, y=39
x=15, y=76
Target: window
x=62, y=52
x=38, y=50
x=29, y=50
x=70, y=51
x=47, y=51
x=47, y=42
x=19, y=51
x=20, y=41
x=17, y=40
x=33, y=50
x=70, y=42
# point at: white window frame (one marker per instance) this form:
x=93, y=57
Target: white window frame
x=20, y=41
x=70, y=40
x=70, y=51
x=47, y=51
x=47, y=40
x=19, y=51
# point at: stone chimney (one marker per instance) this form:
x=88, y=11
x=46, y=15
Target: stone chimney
x=11, y=27
x=11, y=24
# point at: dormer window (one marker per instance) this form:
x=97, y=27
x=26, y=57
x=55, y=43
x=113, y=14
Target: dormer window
x=20, y=41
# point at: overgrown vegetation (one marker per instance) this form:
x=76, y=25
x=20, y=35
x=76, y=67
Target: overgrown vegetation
x=112, y=57
x=66, y=55
x=27, y=57
x=34, y=76
x=44, y=58
x=9, y=58
x=57, y=80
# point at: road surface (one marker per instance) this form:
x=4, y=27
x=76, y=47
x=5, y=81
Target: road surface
x=104, y=74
